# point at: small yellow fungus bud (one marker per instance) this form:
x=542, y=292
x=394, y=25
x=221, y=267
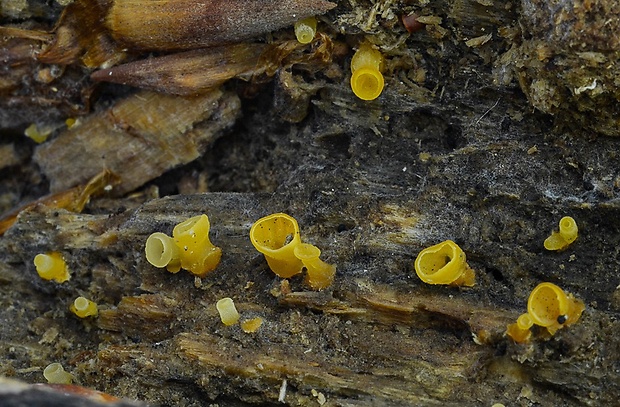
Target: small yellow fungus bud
x=251, y=325
x=51, y=266
x=161, y=251
x=198, y=255
x=227, y=310
x=319, y=275
x=55, y=374
x=276, y=237
x=520, y=331
x=367, y=81
x=444, y=263
x=567, y=235
x=305, y=30
x=549, y=306
x=36, y=134
x=83, y=307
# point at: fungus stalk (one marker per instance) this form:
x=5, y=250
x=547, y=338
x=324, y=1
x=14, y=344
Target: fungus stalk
x=320, y=275
x=228, y=311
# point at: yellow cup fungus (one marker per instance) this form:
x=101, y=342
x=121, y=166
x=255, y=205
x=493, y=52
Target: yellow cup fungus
x=189, y=248
x=565, y=236
x=547, y=306
x=444, y=263
x=54, y=373
x=251, y=325
x=319, y=275
x=276, y=237
x=162, y=251
x=198, y=255
x=51, y=266
x=83, y=307
x=228, y=311
x=305, y=30
x=367, y=81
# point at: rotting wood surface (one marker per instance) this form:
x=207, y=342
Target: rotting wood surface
x=452, y=150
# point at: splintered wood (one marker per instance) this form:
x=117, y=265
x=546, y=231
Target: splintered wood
x=139, y=138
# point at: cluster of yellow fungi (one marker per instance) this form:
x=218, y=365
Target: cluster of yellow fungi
x=277, y=237
x=366, y=65
x=188, y=248
x=444, y=263
x=564, y=237
x=548, y=306
x=52, y=266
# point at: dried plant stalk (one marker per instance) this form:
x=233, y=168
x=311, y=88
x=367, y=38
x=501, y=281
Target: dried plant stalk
x=187, y=72
x=190, y=24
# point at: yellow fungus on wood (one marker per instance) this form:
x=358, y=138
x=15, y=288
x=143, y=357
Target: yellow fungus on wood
x=36, y=134
x=319, y=275
x=51, y=266
x=444, y=263
x=83, y=307
x=228, y=311
x=305, y=30
x=251, y=325
x=198, y=255
x=547, y=306
x=161, y=251
x=565, y=236
x=55, y=374
x=367, y=81
x=276, y=236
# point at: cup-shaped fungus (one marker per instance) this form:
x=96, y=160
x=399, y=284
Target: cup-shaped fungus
x=520, y=331
x=565, y=236
x=305, y=30
x=319, y=275
x=228, y=311
x=51, y=266
x=444, y=263
x=276, y=237
x=161, y=251
x=198, y=255
x=83, y=307
x=367, y=81
x=55, y=374
x=549, y=306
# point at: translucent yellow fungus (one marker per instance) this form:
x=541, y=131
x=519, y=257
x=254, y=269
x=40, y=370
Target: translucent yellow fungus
x=55, y=374
x=227, y=310
x=251, y=325
x=520, y=331
x=51, y=266
x=567, y=235
x=319, y=275
x=305, y=30
x=548, y=306
x=161, y=251
x=36, y=134
x=367, y=81
x=444, y=263
x=198, y=255
x=276, y=237
x=83, y=307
